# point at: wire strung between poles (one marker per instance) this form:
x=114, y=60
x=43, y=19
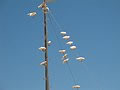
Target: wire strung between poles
x=50, y=19
x=50, y=16
x=71, y=73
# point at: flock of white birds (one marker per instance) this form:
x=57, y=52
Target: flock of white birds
x=72, y=47
x=43, y=6
x=65, y=55
x=65, y=37
x=64, y=58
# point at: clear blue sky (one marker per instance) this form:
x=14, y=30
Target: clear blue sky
x=94, y=26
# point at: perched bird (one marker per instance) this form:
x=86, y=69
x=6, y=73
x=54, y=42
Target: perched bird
x=63, y=33
x=66, y=60
x=69, y=42
x=62, y=51
x=76, y=86
x=43, y=63
x=32, y=14
x=73, y=47
x=43, y=5
x=49, y=42
x=42, y=48
x=80, y=59
x=65, y=56
x=66, y=37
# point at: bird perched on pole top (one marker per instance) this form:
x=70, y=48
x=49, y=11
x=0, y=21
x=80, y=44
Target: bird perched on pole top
x=43, y=5
x=45, y=10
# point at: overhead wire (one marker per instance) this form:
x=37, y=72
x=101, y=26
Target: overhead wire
x=54, y=19
x=71, y=74
x=50, y=19
x=51, y=16
x=91, y=74
x=56, y=37
x=58, y=26
x=62, y=29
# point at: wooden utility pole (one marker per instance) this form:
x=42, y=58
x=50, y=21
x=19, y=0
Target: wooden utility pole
x=46, y=46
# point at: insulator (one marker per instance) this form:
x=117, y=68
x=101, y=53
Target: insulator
x=65, y=60
x=63, y=33
x=65, y=56
x=73, y=47
x=42, y=48
x=66, y=37
x=76, y=86
x=49, y=42
x=43, y=63
x=70, y=43
x=62, y=51
x=32, y=14
x=80, y=59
